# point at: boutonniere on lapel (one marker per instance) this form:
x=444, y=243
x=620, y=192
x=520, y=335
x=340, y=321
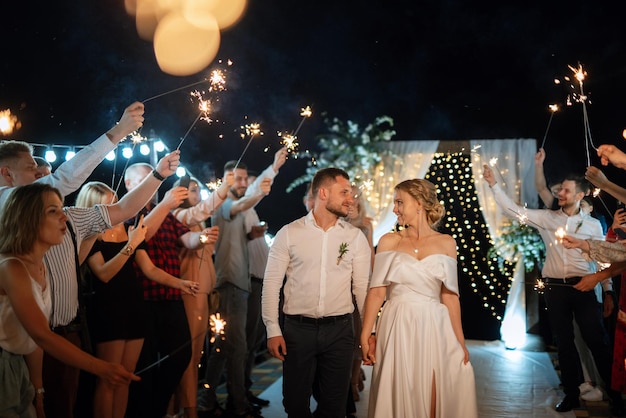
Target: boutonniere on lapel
x=580, y=223
x=343, y=249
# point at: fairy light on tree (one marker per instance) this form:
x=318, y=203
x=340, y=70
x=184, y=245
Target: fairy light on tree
x=478, y=273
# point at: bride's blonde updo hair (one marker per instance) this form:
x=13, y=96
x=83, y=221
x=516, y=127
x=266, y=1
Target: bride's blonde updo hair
x=424, y=192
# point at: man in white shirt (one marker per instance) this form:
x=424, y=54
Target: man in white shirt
x=563, y=269
x=326, y=261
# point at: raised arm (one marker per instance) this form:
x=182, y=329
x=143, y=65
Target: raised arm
x=613, y=155
x=198, y=213
x=70, y=175
x=106, y=270
x=135, y=200
x=540, y=179
x=598, y=179
x=249, y=201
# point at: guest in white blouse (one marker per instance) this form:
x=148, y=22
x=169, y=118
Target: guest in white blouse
x=33, y=220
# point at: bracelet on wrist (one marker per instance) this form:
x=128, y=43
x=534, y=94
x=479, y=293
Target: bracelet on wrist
x=127, y=250
x=157, y=175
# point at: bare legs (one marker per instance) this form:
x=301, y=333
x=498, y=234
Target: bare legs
x=197, y=309
x=109, y=402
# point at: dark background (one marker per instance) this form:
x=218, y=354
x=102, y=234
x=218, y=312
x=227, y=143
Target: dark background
x=445, y=70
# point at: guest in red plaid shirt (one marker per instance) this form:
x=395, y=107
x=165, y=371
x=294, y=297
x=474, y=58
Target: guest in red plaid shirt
x=167, y=333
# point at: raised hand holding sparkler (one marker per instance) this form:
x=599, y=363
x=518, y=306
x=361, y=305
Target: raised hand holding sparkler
x=131, y=121
x=208, y=236
x=613, y=155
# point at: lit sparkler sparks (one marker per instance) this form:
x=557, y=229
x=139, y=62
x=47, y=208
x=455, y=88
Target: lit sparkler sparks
x=289, y=141
x=213, y=185
x=596, y=192
x=204, y=106
x=540, y=285
x=553, y=109
x=217, y=326
x=522, y=218
x=218, y=81
x=581, y=97
x=251, y=130
x=560, y=234
x=136, y=138
x=8, y=122
x=493, y=161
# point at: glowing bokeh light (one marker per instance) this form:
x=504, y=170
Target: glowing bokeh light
x=182, y=48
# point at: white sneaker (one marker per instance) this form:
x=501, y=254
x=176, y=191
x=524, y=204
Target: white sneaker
x=594, y=395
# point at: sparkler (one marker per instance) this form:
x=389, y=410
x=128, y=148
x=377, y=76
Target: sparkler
x=560, y=234
x=135, y=138
x=250, y=130
x=553, y=109
x=8, y=122
x=522, y=219
x=290, y=140
x=305, y=112
x=204, y=105
x=217, y=82
x=217, y=326
x=580, y=74
x=189, y=130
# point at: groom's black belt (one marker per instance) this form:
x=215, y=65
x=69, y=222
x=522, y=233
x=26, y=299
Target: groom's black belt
x=567, y=281
x=318, y=321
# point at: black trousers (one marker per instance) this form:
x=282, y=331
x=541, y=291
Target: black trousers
x=321, y=352
x=167, y=339
x=565, y=304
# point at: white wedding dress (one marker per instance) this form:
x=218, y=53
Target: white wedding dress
x=416, y=342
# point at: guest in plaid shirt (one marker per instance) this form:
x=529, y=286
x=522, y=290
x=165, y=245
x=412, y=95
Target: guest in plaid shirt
x=167, y=333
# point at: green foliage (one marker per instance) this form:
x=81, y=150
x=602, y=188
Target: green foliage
x=348, y=147
x=519, y=240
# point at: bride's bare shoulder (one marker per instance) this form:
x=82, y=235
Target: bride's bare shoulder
x=389, y=241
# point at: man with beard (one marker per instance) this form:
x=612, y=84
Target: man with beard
x=562, y=272
x=234, y=285
x=326, y=261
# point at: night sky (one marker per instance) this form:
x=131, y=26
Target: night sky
x=448, y=70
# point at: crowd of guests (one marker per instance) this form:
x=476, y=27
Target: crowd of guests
x=579, y=296
x=121, y=290
x=117, y=288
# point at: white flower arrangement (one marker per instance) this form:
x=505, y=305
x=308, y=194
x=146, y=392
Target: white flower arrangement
x=349, y=148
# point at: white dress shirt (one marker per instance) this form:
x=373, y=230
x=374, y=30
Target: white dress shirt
x=560, y=261
x=319, y=282
x=70, y=175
